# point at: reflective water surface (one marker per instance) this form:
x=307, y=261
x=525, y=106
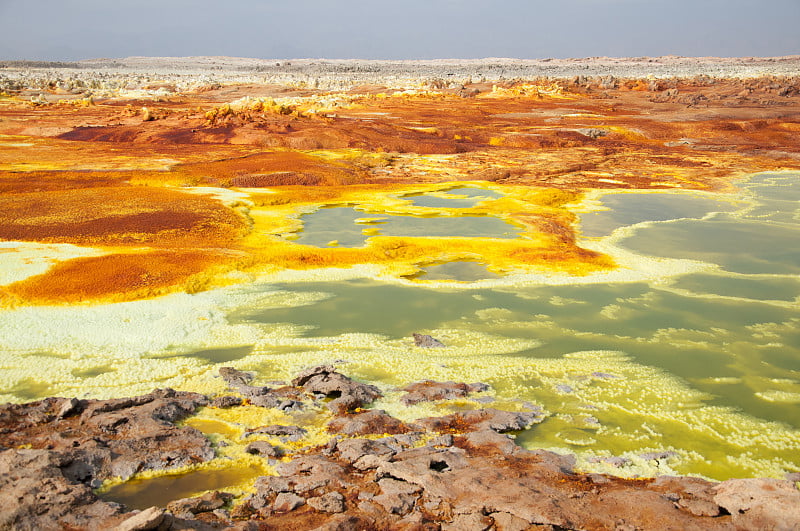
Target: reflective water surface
x=703, y=364
x=348, y=227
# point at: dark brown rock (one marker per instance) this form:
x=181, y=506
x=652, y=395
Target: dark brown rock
x=111, y=437
x=35, y=494
x=351, y=450
x=71, y=406
x=397, y=497
x=480, y=419
x=264, y=449
x=201, y=504
x=426, y=341
x=332, y=502
x=347, y=394
x=370, y=422
x=78, y=445
x=311, y=472
x=223, y=402
x=291, y=433
x=483, y=439
x=269, y=399
x=152, y=518
x=286, y=501
x=235, y=378
x=428, y=390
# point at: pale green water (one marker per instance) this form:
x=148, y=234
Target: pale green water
x=339, y=224
x=631, y=208
x=459, y=271
x=461, y=197
x=706, y=363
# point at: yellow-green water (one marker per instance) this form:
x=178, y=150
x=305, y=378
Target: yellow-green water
x=694, y=349
x=351, y=228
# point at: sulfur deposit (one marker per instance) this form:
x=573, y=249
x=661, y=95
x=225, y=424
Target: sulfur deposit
x=596, y=257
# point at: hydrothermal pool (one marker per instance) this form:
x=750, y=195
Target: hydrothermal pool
x=347, y=227
x=698, y=365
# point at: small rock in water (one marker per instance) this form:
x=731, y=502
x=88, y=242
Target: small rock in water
x=614, y=461
x=263, y=448
x=655, y=456
x=235, y=378
x=375, y=421
x=294, y=433
x=428, y=391
x=347, y=394
x=226, y=402
x=426, y=341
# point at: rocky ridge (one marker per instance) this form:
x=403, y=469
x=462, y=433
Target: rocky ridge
x=459, y=471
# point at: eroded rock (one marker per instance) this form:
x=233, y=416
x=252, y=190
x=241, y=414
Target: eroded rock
x=332, y=502
x=369, y=422
x=347, y=394
x=264, y=449
x=459, y=471
x=481, y=419
x=291, y=433
x=760, y=503
x=208, y=502
x=428, y=390
x=149, y=519
x=287, y=501
x=235, y=378
x=426, y=341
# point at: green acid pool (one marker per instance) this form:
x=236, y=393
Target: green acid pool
x=688, y=371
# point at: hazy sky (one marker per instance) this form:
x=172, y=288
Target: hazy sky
x=401, y=29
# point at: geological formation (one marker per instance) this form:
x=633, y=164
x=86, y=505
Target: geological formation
x=119, y=186
x=459, y=471
x=167, y=186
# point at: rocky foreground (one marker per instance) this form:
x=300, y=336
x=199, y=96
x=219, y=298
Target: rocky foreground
x=459, y=472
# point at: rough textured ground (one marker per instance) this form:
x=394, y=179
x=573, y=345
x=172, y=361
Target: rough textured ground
x=186, y=174
x=456, y=472
x=118, y=158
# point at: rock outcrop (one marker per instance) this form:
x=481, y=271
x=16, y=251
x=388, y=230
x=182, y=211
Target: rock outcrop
x=454, y=472
x=57, y=450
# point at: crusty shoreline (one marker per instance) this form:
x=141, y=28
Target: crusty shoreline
x=459, y=471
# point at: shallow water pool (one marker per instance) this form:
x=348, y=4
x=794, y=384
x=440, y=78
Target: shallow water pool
x=700, y=364
x=348, y=227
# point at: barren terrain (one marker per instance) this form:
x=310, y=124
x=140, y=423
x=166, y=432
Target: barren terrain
x=134, y=192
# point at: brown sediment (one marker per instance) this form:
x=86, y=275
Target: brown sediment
x=95, y=173
x=460, y=471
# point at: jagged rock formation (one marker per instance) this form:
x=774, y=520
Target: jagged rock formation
x=454, y=472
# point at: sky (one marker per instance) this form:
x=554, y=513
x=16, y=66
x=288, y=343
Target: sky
x=64, y=30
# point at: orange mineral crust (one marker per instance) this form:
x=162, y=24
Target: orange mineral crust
x=180, y=190
x=116, y=277
x=123, y=215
